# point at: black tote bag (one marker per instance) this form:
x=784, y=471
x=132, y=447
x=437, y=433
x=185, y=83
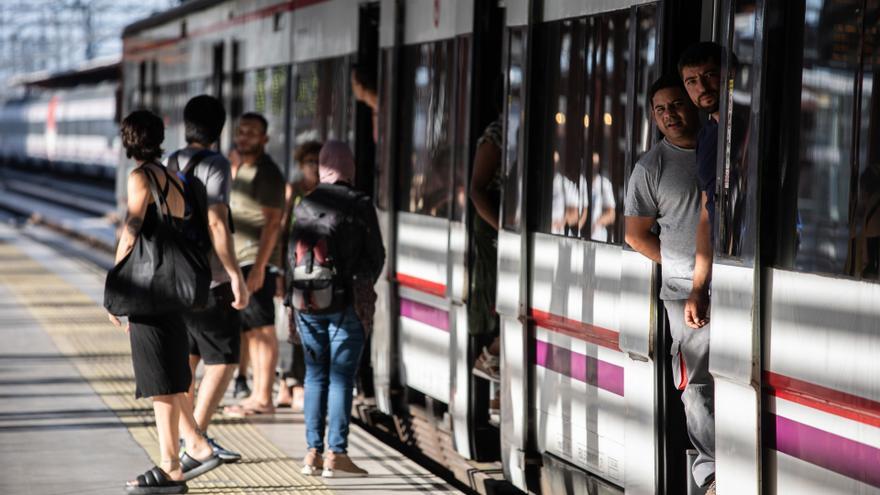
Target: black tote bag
x=163, y=273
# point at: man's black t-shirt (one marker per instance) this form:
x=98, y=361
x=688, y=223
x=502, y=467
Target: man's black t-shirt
x=707, y=152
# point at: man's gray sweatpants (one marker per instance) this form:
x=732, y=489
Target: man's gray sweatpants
x=690, y=370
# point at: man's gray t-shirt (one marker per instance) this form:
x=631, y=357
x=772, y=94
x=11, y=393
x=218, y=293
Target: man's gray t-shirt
x=664, y=185
x=216, y=174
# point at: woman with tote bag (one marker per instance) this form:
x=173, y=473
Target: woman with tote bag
x=159, y=345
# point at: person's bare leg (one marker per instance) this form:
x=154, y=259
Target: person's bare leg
x=166, y=409
x=196, y=445
x=211, y=389
x=244, y=359
x=265, y=369
x=495, y=347
x=250, y=341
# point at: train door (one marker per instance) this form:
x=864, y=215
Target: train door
x=797, y=230
x=430, y=251
x=365, y=118
x=517, y=441
x=383, y=344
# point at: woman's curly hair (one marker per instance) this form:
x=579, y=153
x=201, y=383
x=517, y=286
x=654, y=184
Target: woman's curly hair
x=142, y=135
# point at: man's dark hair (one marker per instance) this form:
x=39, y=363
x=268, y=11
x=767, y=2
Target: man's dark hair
x=258, y=117
x=203, y=120
x=142, y=135
x=365, y=76
x=305, y=149
x=663, y=82
x=700, y=53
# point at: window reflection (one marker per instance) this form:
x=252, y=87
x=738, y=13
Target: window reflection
x=264, y=92
x=734, y=221
x=320, y=106
x=384, y=120
x=584, y=141
x=515, y=95
x=827, y=105
x=426, y=144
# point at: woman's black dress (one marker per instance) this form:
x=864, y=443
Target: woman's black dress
x=159, y=344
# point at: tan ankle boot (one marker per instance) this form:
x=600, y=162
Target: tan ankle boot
x=341, y=466
x=312, y=463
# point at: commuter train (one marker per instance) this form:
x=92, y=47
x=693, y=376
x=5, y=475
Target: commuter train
x=587, y=401
x=72, y=130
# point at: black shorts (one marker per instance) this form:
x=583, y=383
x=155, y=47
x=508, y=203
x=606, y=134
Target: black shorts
x=215, y=332
x=260, y=311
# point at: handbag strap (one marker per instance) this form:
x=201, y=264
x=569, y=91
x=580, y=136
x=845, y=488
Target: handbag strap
x=159, y=199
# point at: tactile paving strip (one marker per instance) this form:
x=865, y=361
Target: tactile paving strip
x=101, y=353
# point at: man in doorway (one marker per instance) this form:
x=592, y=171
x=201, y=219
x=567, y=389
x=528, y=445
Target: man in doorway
x=257, y=202
x=663, y=189
x=214, y=332
x=700, y=69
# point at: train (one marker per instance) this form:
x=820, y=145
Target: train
x=587, y=400
x=72, y=130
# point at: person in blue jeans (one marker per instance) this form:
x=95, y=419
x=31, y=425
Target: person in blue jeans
x=336, y=250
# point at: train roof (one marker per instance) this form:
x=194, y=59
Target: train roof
x=166, y=16
x=90, y=73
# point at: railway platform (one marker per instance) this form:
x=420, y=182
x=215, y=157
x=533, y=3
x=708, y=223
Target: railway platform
x=69, y=422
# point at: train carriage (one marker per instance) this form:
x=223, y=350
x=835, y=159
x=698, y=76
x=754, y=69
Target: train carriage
x=587, y=401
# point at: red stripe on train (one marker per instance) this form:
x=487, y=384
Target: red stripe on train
x=825, y=399
x=577, y=329
x=421, y=284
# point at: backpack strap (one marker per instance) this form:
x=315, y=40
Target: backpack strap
x=195, y=160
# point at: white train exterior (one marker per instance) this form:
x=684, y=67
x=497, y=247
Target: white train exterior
x=67, y=129
x=587, y=400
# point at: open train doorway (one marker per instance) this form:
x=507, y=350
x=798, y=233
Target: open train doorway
x=683, y=25
x=364, y=81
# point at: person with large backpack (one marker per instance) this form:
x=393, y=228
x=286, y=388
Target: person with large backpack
x=214, y=331
x=156, y=207
x=335, y=247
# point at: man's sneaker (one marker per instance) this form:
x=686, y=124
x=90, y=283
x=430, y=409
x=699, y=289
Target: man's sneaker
x=487, y=367
x=341, y=466
x=711, y=489
x=312, y=463
x=241, y=387
x=225, y=455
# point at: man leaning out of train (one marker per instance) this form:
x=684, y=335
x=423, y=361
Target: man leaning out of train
x=663, y=189
x=335, y=246
x=215, y=331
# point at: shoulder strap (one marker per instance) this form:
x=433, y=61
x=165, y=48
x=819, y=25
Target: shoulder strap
x=195, y=160
x=157, y=198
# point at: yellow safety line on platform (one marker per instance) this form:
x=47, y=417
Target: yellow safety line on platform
x=102, y=355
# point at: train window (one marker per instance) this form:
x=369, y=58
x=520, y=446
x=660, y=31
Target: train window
x=605, y=126
x=384, y=121
x=733, y=224
x=426, y=141
x=320, y=106
x=835, y=226
x=265, y=92
x=582, y=104
x=515, y=107
x=647, y=70
x=462, y=155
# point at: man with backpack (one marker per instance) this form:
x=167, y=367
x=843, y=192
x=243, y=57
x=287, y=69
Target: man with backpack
x=336, y=245
x=214, y=331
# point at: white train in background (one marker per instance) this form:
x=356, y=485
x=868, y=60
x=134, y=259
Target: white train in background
x=72, y=130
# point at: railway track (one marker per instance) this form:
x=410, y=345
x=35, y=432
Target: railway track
x=82, y=209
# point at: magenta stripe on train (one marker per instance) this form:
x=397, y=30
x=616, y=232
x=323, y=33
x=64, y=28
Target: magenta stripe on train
x=583, y=368
x=423, y=313
x=835, y=453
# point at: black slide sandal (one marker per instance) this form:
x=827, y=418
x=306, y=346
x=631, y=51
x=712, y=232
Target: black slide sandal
x=193, y=468
x=155, y=481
